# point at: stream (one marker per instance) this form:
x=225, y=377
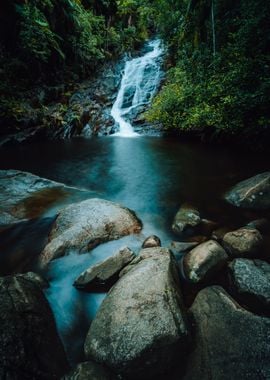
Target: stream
x=151, y=175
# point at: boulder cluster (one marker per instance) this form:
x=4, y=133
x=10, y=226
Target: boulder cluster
x=199, y=309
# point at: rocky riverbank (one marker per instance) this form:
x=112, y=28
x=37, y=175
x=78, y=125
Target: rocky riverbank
x=63, y=110
x=196, y=309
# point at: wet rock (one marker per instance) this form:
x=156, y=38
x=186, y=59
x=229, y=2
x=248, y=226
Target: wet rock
x=252, y=193
x=250, y=280
x=244, y=242
x=36, y=278
x=229, y=342
x=151, y=242
x=181, y=247
x=24, y=195
x=186, y=219
x=89, y=371
x=207, y=227
x=6, y=218
x=84, y=225
x=203, y=261
x=140, y=329
x=28, y=335
x=102, y=276
x=87, y=131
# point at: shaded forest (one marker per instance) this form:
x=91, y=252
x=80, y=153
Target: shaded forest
x=218, y=83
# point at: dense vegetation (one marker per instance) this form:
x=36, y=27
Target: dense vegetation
x=60, y=34
x=47, y=42
x=218, y=81
x=219, y=85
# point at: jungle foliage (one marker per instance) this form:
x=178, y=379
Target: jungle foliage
x=218, y=81
x=219, y=84
x=53, y=35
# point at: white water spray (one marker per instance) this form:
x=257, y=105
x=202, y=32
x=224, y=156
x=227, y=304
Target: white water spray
x=139, y=84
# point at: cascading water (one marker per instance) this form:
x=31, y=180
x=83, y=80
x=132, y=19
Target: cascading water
x=139, y=84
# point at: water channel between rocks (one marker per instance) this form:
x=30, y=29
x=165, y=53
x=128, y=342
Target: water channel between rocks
x=151, y=175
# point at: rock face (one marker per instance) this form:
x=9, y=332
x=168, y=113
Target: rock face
x=24, y=195
x=151, y=242
x=140, y=329
x=28, y=334
x=250, y=280
x=203, y=261
x=230, y=342
x=35, y=278
x=245, y=242
x=186, y=219
x=253, y=193
x=181, y=247
x=82, y=226
x=102, y=276
x=89, y=371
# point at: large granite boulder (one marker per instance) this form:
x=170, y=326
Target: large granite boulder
x=140, y=330
x=29, y=345
x=103, y=275
x=250, y=281
x=253, y=193
x=229, y=342
x=24, y=195
x=186, y=220
x=203, y=261
x=89, y=371
x=244, y=242
x=84, y=225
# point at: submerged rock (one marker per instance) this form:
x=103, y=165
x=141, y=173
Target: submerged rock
x=244, y=242
x=252, y=193
x=151, y=242
x=89, y=371
x=29, y=345
x=229, y=342
x=250, y=280
x=140, y=329
x=84, y=225
x=203, y=261
x=186, y=219
x=103, y=275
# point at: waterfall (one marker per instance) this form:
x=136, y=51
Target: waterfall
x=139, y=84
